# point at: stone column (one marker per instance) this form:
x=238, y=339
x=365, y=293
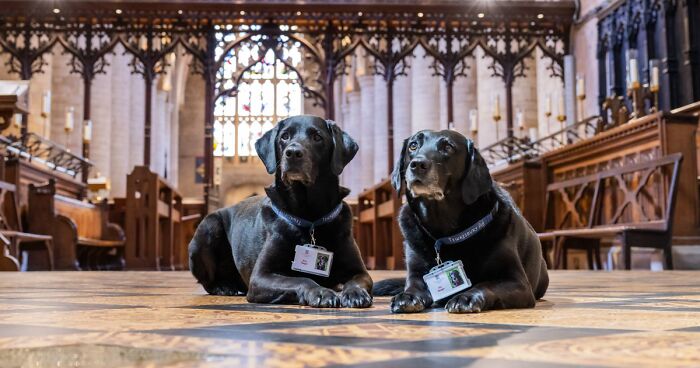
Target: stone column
x=137, y=107
x=465, y=98
x=402, y=112
x=425, y=94
x=355, y=121
x=551, y=87
x=489, y=88
x=367, y=122
x=525, y=97
x=101, y=115
x=39, y=84
x=381, y=133
x=121, y=120
x=67, y=92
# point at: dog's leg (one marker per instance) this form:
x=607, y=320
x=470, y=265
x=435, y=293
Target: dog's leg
x=357, y=284
x=211, y=259
x=493, y=295
x=278, y=289
x=415, y=297
x=267, y=285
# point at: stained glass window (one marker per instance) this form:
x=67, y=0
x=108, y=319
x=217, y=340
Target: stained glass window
x=267, y=92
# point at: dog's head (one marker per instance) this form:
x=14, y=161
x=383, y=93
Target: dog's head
x=434, y=164
x=300, y=147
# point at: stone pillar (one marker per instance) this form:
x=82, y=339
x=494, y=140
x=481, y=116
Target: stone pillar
x=101, y=116
x=39, y=84
x=489, y=87
x=551, y=87
x=67, y=92
x=381, y=133
x=191, y=137
x=465, y=98
x=367, y=140
x=357, y=165
x=137, y=107
x=425, y=94
x=525, y=97
x=121, y=120
x=402, y=112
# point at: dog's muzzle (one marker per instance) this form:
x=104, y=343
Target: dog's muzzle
x=422, y=179
x=296, y=165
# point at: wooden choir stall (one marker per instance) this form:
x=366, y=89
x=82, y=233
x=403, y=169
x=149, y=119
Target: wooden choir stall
x=156, y=223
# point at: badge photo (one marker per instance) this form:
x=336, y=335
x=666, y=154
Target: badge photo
x=312, y=259
x=447, y=279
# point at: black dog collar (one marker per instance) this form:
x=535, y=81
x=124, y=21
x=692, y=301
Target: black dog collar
x=300, y=222
x=463, y=235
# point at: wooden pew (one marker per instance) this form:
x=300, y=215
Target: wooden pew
x=21, y=173
x=11, y=229
x=524, y=181
x=153, y=222
x=83, y=238
x=193, y=212
x=633, y=203
x=639, y=140
x=379, y=236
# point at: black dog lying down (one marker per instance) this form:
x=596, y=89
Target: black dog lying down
x=450, y=194
x=249, y=248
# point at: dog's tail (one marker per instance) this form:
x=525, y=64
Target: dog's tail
x=388, y=287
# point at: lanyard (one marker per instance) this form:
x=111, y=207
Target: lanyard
x=300, y=222
x=462, y=236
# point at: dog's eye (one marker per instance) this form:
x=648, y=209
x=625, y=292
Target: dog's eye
x=317, y=137
x=449, y=149
x=285, y=136
x=413, y=146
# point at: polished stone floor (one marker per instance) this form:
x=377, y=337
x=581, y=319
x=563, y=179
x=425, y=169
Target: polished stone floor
x=139, y=319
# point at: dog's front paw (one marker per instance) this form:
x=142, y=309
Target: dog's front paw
x=409, y=303
x=320, y=297
x=355, y=297
x=467, y=302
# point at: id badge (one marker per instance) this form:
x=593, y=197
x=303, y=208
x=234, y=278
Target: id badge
x=312, y=259
x=447, y=279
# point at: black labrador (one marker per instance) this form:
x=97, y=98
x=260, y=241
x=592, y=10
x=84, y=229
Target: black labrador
x=247, y=249
x=449, y=189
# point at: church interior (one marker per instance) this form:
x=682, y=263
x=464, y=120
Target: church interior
x=124, y=123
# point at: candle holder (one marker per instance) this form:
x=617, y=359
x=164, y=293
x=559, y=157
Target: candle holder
x=496, y=119
x=618, y=110
x=639, y=96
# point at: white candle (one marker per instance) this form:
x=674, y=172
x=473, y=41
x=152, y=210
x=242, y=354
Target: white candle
x=655, y=77
x=69, y=119
x=548, y=105
x=87, y=130
x=46, y=103
x=533, y=134
x=497, y=105
x=580, y=87
x=634, y=72
x=520, y=119
x=474, y=123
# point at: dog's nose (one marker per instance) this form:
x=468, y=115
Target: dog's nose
x=420, y=166
x=293, y=152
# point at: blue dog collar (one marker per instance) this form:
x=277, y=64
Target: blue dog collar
x=462, y=236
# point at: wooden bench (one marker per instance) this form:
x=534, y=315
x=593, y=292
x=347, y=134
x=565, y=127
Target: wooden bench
x=11, y=233
x=379, y=236
x=83, y=237
x=633, y=203
x=153, y=222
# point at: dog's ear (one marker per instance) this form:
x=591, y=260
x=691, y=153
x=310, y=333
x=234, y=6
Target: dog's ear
x=477, y=179
x=397, y=175
x=266, y=148
x=344, y=148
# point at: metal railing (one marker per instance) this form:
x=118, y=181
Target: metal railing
x=35, y=148
x=513, y=149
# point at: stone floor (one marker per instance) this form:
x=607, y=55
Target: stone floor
x=621, y=319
